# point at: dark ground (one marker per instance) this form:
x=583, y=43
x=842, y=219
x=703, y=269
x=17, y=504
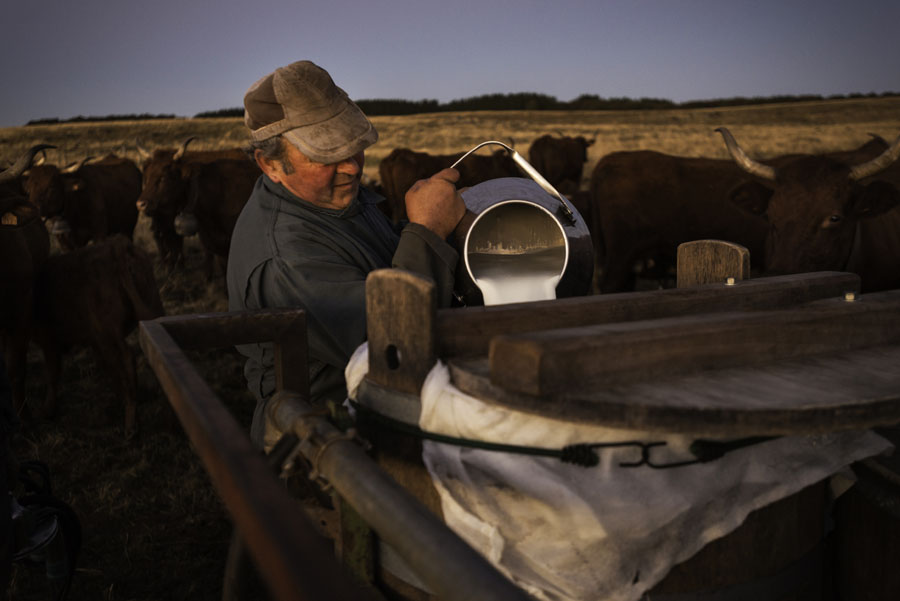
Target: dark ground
x=153, y=526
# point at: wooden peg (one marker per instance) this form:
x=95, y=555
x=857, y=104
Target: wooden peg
x=400, y=317
x=710, y=262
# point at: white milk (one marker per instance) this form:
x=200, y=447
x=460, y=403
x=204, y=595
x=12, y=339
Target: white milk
x=516, y=278
x=511, y=289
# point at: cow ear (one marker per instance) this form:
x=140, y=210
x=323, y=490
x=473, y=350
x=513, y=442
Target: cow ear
x=874, y=199
x=752, y=197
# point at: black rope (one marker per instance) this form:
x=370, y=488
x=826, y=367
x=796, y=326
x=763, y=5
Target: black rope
x=581, y=454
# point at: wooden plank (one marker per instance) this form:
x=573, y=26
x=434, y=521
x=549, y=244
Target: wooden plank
x=708, y=261
x=286, y=328
x=851, y=390
x=577, y=359
x=291, y=357
x=467, y=331
x=220, y=330
x=400, y=316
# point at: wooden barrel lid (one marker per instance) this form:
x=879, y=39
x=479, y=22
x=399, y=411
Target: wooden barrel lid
x=845, y=391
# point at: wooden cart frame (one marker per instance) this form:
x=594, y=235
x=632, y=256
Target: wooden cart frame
x=524, y=356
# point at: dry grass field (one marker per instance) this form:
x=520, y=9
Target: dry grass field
x=154, y=529
x=762, y=130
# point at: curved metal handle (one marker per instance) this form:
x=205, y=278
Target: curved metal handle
x=530, y=171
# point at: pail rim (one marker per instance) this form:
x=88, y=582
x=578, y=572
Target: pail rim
x=518, y=201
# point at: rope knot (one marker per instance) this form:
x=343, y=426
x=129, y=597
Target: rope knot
x=579, y=454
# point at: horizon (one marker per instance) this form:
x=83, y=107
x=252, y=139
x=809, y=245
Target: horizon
x=689, y=104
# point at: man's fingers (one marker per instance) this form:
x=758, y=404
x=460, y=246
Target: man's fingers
x=450, y=174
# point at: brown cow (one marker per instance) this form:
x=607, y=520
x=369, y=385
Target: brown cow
x=217, y=193
x=87, y=202
x=166, y=185
x=94, y=296
x=827, y=213
x=647, y=203
x=24, y=248
x=403, y=167
x=560, y=160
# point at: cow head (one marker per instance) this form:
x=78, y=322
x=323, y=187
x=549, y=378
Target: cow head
x=582, y=145
x=813, y=205
x=44, y=186
x=164, y=189
x=57, y=193
x=502, y=165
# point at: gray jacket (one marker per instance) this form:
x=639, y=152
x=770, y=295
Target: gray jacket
x=286, y=252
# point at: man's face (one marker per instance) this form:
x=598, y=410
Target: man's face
x=331, y=186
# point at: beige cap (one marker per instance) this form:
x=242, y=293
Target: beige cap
x=302, y=102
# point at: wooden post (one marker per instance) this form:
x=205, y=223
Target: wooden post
x=710, y=262
x=400, y=317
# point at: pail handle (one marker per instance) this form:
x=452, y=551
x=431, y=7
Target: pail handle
x=530, y=171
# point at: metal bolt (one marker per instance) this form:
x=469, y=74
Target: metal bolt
x=729, y=282
x=849, y=296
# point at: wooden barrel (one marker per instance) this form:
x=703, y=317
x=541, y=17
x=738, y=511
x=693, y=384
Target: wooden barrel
x=538, y=357
x=867, y=530
x=777, y=554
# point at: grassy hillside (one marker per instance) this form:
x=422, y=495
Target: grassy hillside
x=763, y=130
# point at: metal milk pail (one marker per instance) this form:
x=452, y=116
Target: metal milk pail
x=524, y=244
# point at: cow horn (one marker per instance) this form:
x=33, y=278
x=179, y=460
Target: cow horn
x=76, y=165
x=23, y=162
x=878, y=163
x=744, y=162
x=142, y=152
x=180, y=152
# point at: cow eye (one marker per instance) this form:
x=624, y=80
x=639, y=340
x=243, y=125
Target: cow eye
x=835, y=218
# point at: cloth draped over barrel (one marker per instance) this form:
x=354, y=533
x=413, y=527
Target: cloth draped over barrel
x=566, y=532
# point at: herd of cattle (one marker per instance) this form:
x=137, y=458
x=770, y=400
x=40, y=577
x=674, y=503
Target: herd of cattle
x=836, y=211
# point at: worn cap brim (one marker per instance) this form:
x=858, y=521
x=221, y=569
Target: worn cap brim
x=302, y=102
x=335, y=139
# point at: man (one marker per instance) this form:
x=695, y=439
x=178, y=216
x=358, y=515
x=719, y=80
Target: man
x=309, y=234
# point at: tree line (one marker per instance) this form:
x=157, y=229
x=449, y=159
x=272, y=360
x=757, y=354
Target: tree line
x=523, y=101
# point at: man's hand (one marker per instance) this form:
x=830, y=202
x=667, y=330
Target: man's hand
x=435, y=202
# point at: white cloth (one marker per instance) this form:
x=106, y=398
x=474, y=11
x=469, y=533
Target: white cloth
x=565, y=532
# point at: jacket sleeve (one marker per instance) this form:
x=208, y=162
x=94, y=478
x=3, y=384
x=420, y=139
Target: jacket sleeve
x=423, y=252
x=333, y=293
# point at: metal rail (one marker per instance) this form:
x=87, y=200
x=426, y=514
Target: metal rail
x=435, y=553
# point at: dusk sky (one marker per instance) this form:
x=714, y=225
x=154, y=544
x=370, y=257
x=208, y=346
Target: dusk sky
x=96, y=58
